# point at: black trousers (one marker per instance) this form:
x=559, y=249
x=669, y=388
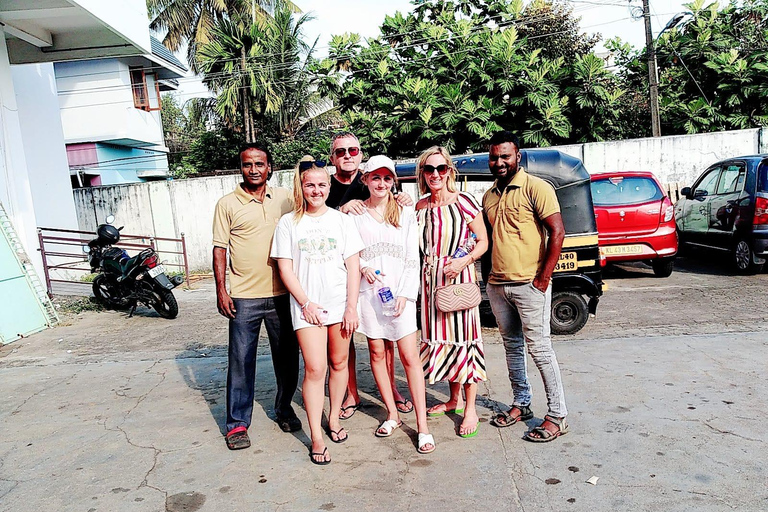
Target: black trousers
x=243, y=341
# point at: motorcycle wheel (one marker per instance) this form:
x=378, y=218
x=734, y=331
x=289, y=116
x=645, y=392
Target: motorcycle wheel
x=166, y=307
x=105, y=291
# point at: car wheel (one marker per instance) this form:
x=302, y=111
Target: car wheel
x=662, y=267
x=569, y=313
x=744, y=258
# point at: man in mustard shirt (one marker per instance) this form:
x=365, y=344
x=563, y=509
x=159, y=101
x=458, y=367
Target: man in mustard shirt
x=244, y=223
x=521, y=210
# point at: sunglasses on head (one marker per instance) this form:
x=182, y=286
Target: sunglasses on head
x=303, y=166
x=339, y=152
x=441, y=169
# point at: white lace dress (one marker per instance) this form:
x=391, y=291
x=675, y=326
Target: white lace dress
x=395, y=252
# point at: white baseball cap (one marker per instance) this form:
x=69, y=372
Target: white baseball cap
x=379, y=162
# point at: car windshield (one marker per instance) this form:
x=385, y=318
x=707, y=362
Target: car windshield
x=624, y=191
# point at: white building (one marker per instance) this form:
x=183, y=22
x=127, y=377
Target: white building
x=110, y=113
x=35, y=188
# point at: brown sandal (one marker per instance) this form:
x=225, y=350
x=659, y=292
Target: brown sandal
x=544, y=435
x=505, y=419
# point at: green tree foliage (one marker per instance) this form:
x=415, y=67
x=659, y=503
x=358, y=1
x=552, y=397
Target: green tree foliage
x=713, y=69
x=196, y=137
x=215, y=150
x=288, y=152
x=259, y=72
x=191, y=22
x=184, y=122
x=453, y=72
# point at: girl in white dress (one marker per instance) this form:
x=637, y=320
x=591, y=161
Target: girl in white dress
x=316, y=249
x=390, y=235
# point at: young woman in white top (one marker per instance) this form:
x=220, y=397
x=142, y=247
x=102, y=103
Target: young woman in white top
x=316, y=249
x=391, y=259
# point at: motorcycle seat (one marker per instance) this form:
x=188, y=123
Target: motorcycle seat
x=127, y=263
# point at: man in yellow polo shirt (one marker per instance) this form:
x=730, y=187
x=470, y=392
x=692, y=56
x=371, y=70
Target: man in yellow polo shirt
x=244, y=223
x=520, y=211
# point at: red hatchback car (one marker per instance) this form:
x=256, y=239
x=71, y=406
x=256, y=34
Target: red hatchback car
x=635, y=219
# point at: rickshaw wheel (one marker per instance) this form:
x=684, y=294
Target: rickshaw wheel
x=569, y=313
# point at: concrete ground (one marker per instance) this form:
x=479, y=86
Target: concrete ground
x=666, y=390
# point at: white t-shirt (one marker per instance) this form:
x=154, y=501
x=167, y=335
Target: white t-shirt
x=318, y=247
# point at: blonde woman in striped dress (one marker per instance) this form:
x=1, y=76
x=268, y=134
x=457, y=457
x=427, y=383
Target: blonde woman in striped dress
x=452, y=346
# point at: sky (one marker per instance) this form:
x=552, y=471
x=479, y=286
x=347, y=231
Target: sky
x=610, y=18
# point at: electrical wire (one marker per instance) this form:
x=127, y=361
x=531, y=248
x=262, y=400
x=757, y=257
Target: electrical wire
x=288, y=82
x=288, y=66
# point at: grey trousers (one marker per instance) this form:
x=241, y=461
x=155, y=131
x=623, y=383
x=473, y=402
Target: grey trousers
x=523, y=313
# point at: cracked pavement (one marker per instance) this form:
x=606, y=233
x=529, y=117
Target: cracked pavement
x=110, y=413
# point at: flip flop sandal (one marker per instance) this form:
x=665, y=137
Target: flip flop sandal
x=338, y=439
x=354, y=408
x=544, y=435
x=388, y=426
x=407, y=406
x=238, y=439
x=471, y=434
x=505, y=419
x=425, y=439
x=443, y=413
x=319, y=462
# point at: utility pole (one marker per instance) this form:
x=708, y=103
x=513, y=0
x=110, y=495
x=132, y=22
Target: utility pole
x=652, y=75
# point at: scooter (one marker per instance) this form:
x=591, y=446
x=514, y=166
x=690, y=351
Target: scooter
x=124, y=282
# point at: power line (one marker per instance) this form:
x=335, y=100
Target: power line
x=288, y=66
x=477, y=30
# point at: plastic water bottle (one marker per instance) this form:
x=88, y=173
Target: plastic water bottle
x=471, y=242
x=385, y=296
x=464, y=250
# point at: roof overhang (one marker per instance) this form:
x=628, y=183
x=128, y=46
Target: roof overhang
x=115, y=140
x=61, y=30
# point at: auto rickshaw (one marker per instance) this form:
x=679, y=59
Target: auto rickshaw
x=578, y=273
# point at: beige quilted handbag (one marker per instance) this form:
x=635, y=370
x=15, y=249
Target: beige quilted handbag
x=457, y=297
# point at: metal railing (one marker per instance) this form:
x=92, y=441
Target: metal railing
x=62, y=254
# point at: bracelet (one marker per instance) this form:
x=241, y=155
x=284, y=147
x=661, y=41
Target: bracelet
x=303, y=307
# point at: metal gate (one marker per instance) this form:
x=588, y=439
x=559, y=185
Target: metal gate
x=65, y=263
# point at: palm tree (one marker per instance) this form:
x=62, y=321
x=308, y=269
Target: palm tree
x=256, y=70
x=192, y=21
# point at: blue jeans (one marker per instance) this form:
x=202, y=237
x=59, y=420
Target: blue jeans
x=243, y=341
x=523, y=313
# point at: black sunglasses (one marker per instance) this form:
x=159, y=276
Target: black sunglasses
x=441, y=169
x=303, y=166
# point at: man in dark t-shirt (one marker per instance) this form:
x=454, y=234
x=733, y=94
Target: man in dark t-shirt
x=348, y=193
x=346, y=184
x=342, y=193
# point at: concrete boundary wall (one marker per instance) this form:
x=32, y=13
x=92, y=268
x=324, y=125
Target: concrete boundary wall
x=169, y=208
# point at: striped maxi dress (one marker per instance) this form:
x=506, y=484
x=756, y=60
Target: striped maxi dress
x=451, y=343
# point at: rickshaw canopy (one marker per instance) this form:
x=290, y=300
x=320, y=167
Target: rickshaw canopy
x=564, y=172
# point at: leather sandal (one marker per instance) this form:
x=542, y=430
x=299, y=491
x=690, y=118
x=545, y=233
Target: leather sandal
x=505, y=419
x=544, y=435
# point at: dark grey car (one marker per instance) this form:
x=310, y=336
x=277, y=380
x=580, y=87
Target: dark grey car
x=727, y=209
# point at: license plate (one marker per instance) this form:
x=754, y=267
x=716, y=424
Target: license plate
x=567, y=261
x=154, y=272
x=618, y=250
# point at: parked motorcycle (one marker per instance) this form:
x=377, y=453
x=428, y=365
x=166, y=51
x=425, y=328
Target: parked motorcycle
x=123, y=281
